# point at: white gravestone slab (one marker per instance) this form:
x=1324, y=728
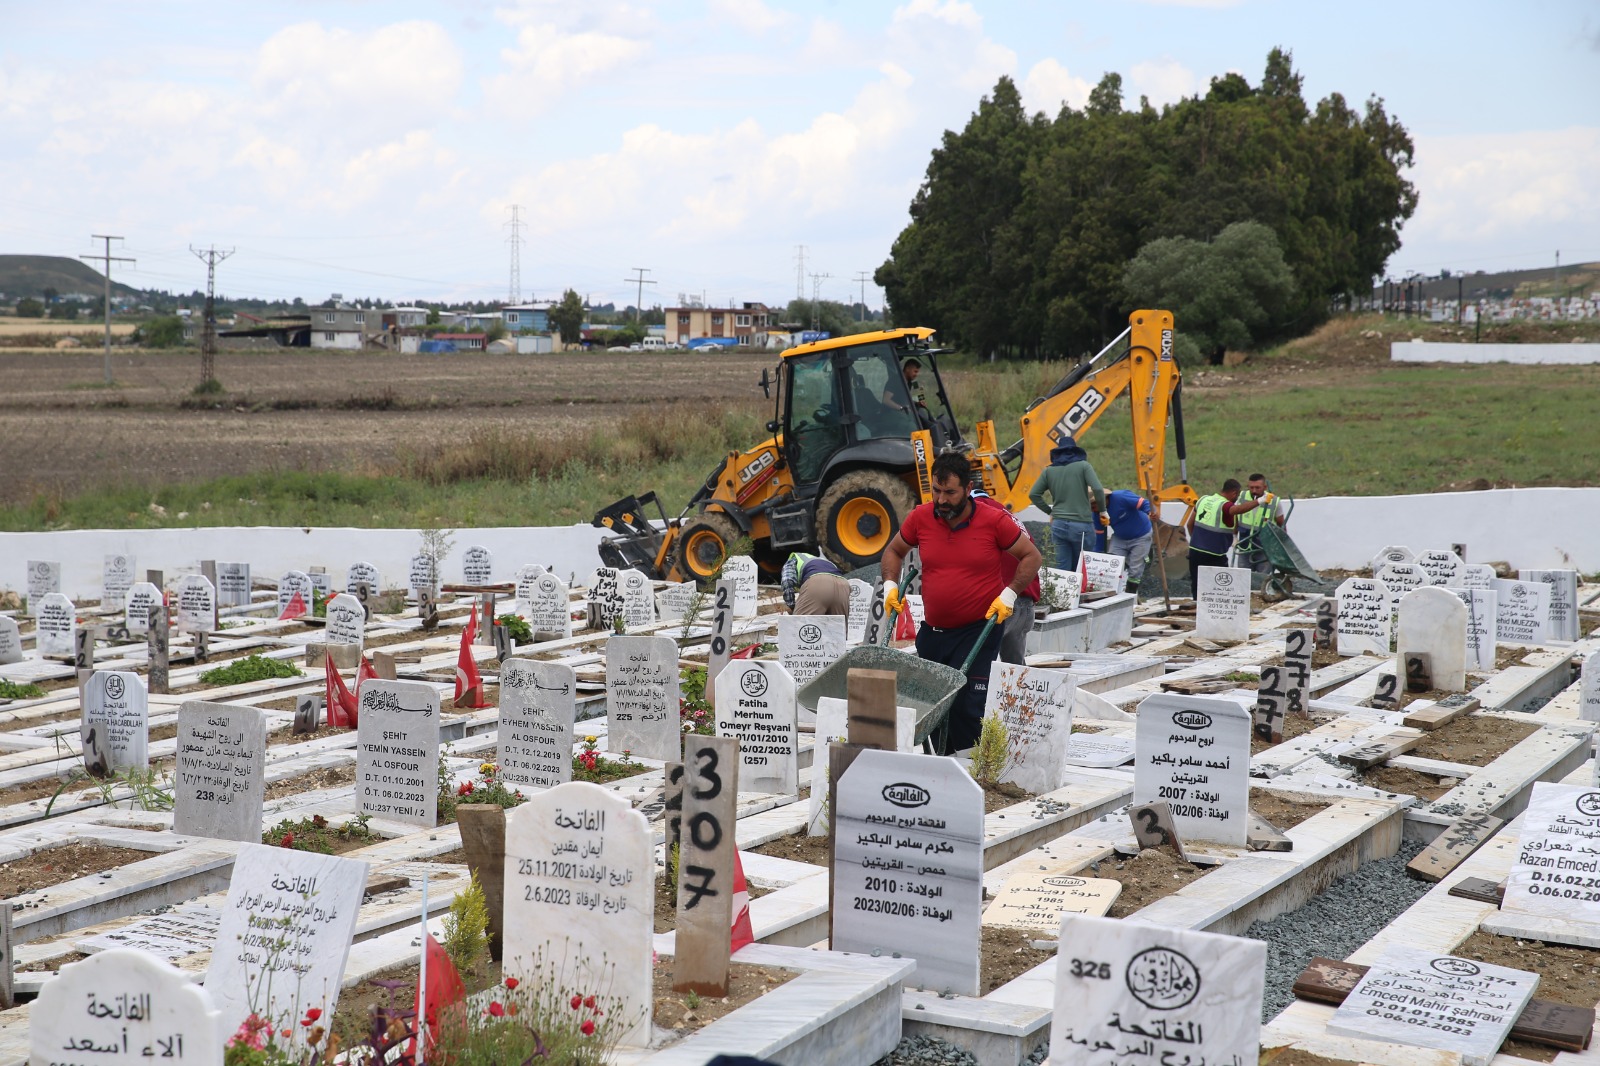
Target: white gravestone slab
x=1060, y=589
x=1433, y=621
x=1364, y=616
x=1127, y=992
x=116, y=707
x=56, y=624
x=809, y=644
x=43, y=579
x=549, y=609
x=741, y=570
x=117, y=576
x=1478, y=576
x=1563, y=586
x=10, y=641
x=120, y=1008
x=1481, y=626
x=233, y=584
x=1423, y=999
x=638, y=600
x=423, y=574
x=362, y=572
x=1193, y=753
x=1588, y=687
x=756, y=704
x=579, y=900
x=187, y=929
x=1442, y=568
x=477, y=565
x=860, y=610
x=290, y=583
x=142, y=597
x=1222, y=603
x=1103, y=750
x=321, y=583
x=285, y=935
x=1105, y=573
x=197, y=604
x=1522, y=611
x=397, y=751
x=908, y=865
x=642, y=694
x=347, y=621
x=833, y=725
x=221, y=773
x=1037, y=898
x=1395, y=553
x=605, y=599
x=1400, y=578
x=1036, y=707
x=1557, y=869
x=538, y=702
x=679, y=599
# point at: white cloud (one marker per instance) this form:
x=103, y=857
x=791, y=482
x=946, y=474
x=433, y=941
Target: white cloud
x=1164, y=81
x=1215, y=5
x=948, y=36
x=1049, y=85
x=560, y=47
x=753, y=16
x=334, y=74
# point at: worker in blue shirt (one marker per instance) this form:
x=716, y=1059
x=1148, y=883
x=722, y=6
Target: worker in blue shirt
x=1131, y=532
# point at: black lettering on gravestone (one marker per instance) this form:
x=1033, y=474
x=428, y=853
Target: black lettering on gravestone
x=875, y=613
x=363, y=593
x=1387, y=697
x=156, y=648
x=83, y=649
x=1327, y=623
x=672, y=809
x=8, y=998
x=1419, y=671
x=1272, y=699
x=96, y=752
x=202, y=646
x=503, y=644
x=307, y=713
x=1297, y=670
x=1153, y=828
x=208, y=570
x=721, y=636
x=113, y=634
x=427, y=609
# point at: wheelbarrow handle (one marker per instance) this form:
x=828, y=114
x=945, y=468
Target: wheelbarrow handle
x=889, y=617
x=988, y=627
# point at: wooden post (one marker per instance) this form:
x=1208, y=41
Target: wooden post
x=8, y=964
x=486, y=618
x=156, y=648
x=83, y=648
x=721, y=637
x=1327, y=623
x=483, y=838
x=705, y=865
x=869, y=723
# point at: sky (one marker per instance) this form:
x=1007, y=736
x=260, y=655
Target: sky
x=378, y=148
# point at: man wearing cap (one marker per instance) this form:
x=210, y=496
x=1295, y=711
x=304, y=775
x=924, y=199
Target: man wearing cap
x=1075, y=498
x=962, y=543
x=1211, y=528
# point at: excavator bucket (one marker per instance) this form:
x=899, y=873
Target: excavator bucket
x=636, y=541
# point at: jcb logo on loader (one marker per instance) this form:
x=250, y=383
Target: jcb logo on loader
x=756, y=466
x=1077, y=415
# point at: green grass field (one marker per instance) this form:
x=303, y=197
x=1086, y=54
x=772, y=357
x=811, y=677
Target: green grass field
x=1325, y=415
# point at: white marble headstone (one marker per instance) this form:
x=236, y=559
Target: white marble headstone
x=638, y=600
x=1433, y=621
x=1395, y=553
x=56, y=624
x=308, y=901
x=1442, y=567
x=860, y=610
x=116, y=707
x=196, y=601
x=221, y=772
x=1036, y=707
x=1060, y=589
x=1588, y=688
x=809, y=644
x=755, y=703
x=43, y=579
x=397, y=751
x=346, y=621
x=642, y=693
x=680, y=599
x=1431, y=1000
x=321, y=583
x=424, y=574
x=233, y=584
x=538, y=702
x=1187, y=997
x=1400, y=578
x=580, y=900
x=1105, y=573
x=1557, y=868
x=294, y=581
x=1478, y=576
x=605, y=597
x=1522, y=611
x=908, y=865
x=1481, y=626
x=1364, y=616
x=549, y=610
x=1222, y=603
x=477, y=565
x=142, y=598
x=1193, y=753
x=117, y=576
x=1563, y=586
x=833, y=724
x=741, y=570
x=10, y=641
x=123, y=1007
x=362, y=572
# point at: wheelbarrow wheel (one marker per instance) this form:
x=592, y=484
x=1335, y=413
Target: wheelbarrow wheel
x=1277, y=587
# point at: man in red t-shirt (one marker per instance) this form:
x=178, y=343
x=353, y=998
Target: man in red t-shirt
x=1014, y=634
x=962, y=544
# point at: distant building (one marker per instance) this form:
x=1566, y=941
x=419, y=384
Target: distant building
x=458, y=342
x=345, y=328
x=744, y=325
x=470, y=320
x=405, y=317
x=526, y=318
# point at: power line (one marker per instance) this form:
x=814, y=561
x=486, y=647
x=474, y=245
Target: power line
x=638, y=304
x=208, y=339
x=861, y=276
x=515, y=240
x=800, y=272
x=816, y=291
x=107, y=258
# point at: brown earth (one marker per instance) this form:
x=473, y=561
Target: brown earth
x=1293, y=726
x=1476, y=740
x=1006, y=954
x=1568, y=975
x=1281, y=812
x=1146, y=877
x=686, y=1012
x=333, y=777
x=797, y=847
x=58, y=865
x=1408, y=782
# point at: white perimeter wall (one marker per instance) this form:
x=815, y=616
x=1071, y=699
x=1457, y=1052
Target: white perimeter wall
x=271, y=550
x=1454, y=352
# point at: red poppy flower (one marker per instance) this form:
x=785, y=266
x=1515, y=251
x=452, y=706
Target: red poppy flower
x=577, y=1001
x=589, y=1002
x=313, y=1014
x=511, y=983
x=496, y=1010
x=587, y=1028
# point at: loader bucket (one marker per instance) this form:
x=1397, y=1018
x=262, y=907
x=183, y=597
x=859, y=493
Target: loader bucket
x=929, y=687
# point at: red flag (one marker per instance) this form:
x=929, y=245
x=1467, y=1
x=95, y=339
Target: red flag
x=294, y=608
x=467, y=681
x=905, y=624
x=444, y=990
x=341, y=701
x=1083, y=574
x=746, y=652
x=742, y=932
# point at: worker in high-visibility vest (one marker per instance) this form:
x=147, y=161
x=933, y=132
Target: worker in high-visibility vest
x=1249, y=551
x=1211, y=528
x=813, y=585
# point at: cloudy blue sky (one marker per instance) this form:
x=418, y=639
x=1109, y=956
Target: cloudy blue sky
x=375, y=148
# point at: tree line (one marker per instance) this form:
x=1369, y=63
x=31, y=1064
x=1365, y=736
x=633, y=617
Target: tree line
x=1243, y=210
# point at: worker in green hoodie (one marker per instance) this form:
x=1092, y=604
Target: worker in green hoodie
x=1075, y=498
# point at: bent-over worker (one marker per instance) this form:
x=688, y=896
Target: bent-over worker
x=814, y=585
x=1131, y=532
x=1211, y=529
x=1249, y=551
x=961, y=546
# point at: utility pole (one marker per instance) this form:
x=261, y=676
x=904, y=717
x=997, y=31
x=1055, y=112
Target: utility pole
x=515, y=240
x=816, y=294
x=638, y=304
x=107, y=258
x=799, y=272
x=861, y=276
x=208, y=339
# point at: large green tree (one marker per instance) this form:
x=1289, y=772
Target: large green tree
x=567, y=317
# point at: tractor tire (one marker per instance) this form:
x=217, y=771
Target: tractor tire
x=859, y=514
x=702, y=545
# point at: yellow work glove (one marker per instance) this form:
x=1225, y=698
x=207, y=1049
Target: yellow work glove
x=893, y=602
x=1002, y=606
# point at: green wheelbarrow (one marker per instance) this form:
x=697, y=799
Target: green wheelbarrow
x=1288, y=563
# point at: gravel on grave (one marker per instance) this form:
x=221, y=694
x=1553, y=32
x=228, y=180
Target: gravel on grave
x=1334, y=923
x=931, y=1051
